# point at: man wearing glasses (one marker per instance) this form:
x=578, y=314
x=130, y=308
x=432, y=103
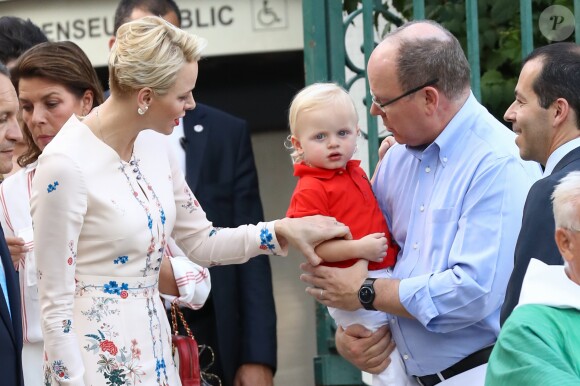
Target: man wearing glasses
x=453, y=191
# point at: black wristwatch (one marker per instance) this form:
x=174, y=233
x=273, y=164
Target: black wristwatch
x=366, y=294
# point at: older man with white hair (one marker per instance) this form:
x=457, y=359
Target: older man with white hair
x=540, y=342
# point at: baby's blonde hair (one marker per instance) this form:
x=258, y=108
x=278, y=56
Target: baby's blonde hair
x=312, y=97
x=149, y=52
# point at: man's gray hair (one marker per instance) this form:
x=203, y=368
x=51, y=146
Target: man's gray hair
x=421, y=60
x=566, y=202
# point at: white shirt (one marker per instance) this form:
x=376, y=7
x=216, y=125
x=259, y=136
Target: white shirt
x=174, y=142
x=558, y=154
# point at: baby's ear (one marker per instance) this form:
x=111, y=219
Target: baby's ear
x=296, y=143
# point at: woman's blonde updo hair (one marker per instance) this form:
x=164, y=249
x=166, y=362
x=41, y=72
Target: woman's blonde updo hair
x=149, y=52
x=312, y=97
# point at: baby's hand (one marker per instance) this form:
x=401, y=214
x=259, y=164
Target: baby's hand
x=387, y=143
x=373, y=247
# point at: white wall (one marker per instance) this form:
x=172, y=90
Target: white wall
x=231, y=27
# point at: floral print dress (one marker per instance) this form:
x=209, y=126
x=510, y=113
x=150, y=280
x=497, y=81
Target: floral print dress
x=101, y=226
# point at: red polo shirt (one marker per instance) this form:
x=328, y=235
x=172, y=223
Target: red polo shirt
x=346, y=195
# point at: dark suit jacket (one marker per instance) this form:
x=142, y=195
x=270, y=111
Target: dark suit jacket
x=10, y=328
x=536, y=238
x=222, y=174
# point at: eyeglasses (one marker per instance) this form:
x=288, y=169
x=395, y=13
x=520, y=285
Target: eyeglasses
x=382, y=106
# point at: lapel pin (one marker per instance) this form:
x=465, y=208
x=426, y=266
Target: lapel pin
x=198, y=128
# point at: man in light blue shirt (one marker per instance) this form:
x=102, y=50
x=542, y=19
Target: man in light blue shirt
x=453, y=193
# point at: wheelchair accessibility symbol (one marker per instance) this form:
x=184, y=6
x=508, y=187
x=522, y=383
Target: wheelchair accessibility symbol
x=269, y=14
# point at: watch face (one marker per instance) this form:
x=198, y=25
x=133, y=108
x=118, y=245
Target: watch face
x=365, y=295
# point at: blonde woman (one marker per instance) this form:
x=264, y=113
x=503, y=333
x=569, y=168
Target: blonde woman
x=104, y=205
x=55, y=81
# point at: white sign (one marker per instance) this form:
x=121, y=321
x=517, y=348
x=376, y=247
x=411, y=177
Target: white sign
x=231, y=27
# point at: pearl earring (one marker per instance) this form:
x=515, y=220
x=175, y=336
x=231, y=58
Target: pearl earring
x=142, y=111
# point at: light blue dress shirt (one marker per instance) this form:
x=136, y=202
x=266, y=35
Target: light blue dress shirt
x=455, y=209
x=4, y=288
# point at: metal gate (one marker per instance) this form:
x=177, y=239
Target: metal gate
x=327, y=59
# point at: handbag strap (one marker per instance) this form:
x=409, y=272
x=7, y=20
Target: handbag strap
x=205, y=376
x=175, y=311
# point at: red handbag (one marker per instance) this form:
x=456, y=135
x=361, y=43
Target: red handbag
x=187, y=351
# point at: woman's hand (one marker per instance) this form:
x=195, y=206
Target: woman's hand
x=167, y=283
x=17, y=250
x=306, y=233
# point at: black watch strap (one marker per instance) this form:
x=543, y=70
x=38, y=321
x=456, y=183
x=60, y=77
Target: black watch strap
x=366, y=294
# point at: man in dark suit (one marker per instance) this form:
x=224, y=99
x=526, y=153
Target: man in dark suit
x=546, y=117
x=10, y=317
x=239, y=318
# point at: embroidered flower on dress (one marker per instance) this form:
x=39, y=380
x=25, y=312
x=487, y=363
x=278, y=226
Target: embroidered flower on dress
x=52, y=187
x=121, y=259
x=71, y=247
x=191, y=204
x=160, y=365
x=59, y=369
x=140, y=179
x=102, y=307
x=135, y=351
x=265, y=240
x=66, y=324
x=108, y=346
x=115, y=377
x=113, y=288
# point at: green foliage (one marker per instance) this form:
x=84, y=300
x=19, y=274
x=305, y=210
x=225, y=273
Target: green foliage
x=500, y=46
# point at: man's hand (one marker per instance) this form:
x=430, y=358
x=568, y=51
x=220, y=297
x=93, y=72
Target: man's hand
x=366, y=350
x=253, y=374
x=306, y=233
x=335, y=287
x=17, y=250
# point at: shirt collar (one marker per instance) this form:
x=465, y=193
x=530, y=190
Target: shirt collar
x=558, y=154
x=549, y=285
x=301, y=170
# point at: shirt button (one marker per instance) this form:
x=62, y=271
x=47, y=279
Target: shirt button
x=405, y=357
x=393, y=321
x=427, y=169
x=340, y=172
x=444, y=159
x=416, y=245
x=422, y=208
